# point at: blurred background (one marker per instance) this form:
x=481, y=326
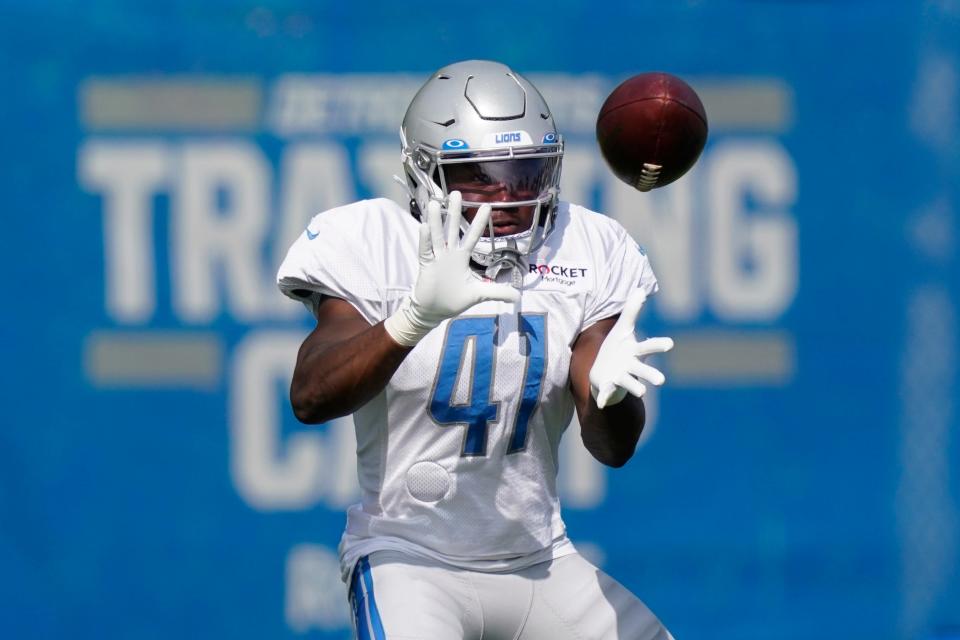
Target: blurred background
x=801, y=471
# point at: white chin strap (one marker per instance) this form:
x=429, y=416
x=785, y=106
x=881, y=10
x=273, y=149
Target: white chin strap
x=507, y=258
x=508, y=254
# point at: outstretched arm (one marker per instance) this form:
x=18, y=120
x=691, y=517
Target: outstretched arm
x=605, y=377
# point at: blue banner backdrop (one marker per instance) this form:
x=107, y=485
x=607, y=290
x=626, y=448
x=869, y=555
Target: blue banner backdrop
x=800, y=473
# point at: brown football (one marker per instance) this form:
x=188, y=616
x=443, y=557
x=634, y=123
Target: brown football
x=651, y=129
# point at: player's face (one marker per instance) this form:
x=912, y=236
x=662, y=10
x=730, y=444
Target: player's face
x=501, y=181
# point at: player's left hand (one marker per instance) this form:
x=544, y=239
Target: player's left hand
x=619, y=369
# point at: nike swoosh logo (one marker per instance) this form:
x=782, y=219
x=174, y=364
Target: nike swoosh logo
x=311, y=236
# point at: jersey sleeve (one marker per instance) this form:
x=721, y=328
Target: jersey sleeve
x=627, y=268
x=331, y=258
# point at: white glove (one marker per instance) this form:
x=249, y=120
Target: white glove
x=446, y=285
x=618, y=369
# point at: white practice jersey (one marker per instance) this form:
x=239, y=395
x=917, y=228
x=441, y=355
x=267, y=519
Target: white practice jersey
x=457, y=457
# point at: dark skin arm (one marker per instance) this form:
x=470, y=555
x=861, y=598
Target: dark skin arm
x=345, y=362
x=609, y=434
x=342, y=364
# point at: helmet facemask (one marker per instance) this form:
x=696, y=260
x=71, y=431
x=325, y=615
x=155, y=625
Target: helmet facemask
x=504, y=178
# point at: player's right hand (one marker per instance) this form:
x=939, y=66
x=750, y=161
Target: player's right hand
x=446, y=285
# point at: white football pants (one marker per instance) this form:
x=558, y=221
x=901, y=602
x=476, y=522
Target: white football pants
x=395, y=596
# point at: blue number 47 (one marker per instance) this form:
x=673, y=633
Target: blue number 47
x=480, y=409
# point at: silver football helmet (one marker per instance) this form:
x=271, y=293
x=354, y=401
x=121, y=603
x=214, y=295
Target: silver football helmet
x=485, y=130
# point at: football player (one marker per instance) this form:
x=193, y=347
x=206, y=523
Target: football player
x=462, y=331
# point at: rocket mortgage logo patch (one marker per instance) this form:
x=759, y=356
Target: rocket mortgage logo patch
x=559, y=273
